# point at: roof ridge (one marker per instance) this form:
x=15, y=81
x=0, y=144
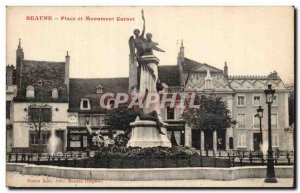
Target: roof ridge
x=45, y=61
x=167, y=66
x=199, y=63
x=251, y=76
x=98, y=78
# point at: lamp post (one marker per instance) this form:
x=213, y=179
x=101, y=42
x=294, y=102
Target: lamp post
x=270, y=178
x=260, y=112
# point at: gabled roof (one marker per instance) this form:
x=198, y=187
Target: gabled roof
x=191, y=65
x=169, y=75
x=51, y=74
x=86, y=88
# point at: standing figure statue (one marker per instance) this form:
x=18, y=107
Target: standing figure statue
x=136, y=42
x=139, y=45
x=149, y=45
x=147, y=76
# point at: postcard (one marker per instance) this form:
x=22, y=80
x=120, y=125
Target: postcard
x=192, y=97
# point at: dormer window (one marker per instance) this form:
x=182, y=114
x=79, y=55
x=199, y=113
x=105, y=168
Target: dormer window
x=110, y=104
x=30, y=92
x=208, y=80
x=85, y=104
x=99, y=89
x=54, y=93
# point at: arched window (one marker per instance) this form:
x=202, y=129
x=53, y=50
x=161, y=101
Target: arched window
x=85, y=104
x=30, y=92
x=110, y=103
x=256, y=121
x=54, y=93
x=99, y=89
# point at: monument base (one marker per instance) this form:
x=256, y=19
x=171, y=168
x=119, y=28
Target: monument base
x=145, y=134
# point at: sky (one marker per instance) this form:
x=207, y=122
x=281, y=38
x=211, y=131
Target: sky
x=253, y=40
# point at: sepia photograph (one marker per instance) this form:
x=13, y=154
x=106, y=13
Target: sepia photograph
x=150, y=97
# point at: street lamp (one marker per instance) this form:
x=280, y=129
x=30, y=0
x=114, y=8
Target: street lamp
x=260, y=112
x=270, y=178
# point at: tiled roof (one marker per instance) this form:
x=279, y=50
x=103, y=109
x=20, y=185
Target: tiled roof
x=246, y=82
x=169, y=75
x=52, y=76
x=191, y=65
x=86, y=88
x=196, y=82
x=255, y=83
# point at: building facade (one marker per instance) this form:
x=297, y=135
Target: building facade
x=75, y=102
x=11, y=92
x=41, y=85
x=243, y=95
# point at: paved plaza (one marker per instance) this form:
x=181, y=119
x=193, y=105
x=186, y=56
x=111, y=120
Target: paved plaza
x=45, y=181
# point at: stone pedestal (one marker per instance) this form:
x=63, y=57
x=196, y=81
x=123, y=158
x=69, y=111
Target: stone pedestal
x=145, y=134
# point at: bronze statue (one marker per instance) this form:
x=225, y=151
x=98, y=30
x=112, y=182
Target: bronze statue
x=149, y=45
x=141, y=45
x=152, y=116
x=137, y=41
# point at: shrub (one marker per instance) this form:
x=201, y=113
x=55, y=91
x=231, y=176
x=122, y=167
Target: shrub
x=116, y=151
x=121, y=140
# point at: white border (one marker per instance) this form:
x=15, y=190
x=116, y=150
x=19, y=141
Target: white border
x=3, y=3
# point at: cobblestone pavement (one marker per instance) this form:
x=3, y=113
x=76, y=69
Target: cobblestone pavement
x=15, y=179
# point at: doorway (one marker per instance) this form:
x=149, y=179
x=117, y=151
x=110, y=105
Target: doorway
x=256, y=141
x=230, y=142
x=196, y=139
x=221, y=139
x=208, y=140
x=61, y=135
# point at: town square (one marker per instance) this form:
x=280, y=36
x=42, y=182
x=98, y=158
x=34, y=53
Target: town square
x=132, y=101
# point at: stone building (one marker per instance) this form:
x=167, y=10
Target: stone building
x=76, y=102
x=11, y=92
x=40, y=85
x=243, y=94
x=85, y=108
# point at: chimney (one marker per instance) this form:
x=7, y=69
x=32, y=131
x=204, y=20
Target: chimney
x=225, y=70
x=67, y=66
x=273, y=74
x=180, y=63
x=19, y=64
x=9, y=75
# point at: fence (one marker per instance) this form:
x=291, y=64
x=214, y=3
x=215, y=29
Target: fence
x=204, y=159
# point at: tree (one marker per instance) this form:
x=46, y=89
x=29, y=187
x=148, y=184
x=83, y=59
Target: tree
x=39, y=118
x=120, y=119
x=211, y=115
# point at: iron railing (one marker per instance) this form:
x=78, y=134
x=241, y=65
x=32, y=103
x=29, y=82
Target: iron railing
x=204, y=159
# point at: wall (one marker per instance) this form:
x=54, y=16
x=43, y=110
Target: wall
x=145, y=174
x=250, y=110
x=21, y=128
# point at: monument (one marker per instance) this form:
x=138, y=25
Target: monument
x=149, y=129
